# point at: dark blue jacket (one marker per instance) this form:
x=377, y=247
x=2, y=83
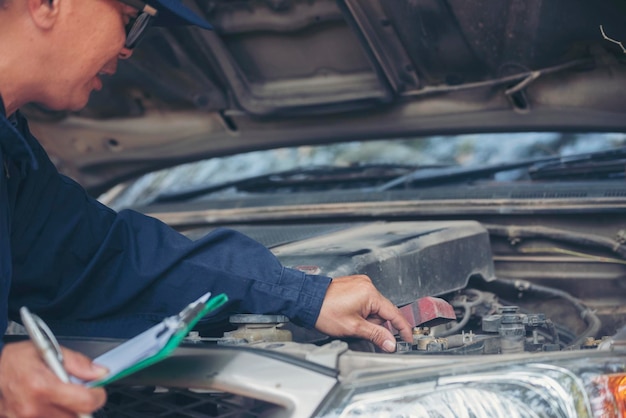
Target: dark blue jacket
x=89, y=271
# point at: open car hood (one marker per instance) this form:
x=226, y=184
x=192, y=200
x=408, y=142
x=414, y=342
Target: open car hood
x=286, y=72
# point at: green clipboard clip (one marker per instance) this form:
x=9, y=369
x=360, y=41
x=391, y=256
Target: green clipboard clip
x=154, y=344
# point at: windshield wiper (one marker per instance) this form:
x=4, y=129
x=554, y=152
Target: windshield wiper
x=609, y=164
x=382, y=177
x=594, y=165
x=318, y=178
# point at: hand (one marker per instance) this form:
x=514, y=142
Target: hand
x=353, y=307
x=28, y=388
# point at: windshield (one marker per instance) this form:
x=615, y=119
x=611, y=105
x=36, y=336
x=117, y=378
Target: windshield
x=472, y=150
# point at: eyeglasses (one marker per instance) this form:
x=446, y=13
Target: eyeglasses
x=136, y=28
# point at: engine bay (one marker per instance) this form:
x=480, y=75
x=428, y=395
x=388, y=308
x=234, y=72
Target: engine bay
x=494, y=294
x=451, y=266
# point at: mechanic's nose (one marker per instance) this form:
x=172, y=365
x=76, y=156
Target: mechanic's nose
x=125, y=53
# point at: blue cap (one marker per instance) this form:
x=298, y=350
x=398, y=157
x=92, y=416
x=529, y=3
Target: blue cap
x=175, y=13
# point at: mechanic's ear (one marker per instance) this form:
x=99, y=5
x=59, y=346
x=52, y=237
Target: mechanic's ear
x=44, y=12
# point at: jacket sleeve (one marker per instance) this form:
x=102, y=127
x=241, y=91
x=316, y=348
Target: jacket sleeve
x=90, y=271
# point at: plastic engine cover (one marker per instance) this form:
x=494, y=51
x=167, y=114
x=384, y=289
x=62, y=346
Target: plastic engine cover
x=405, y=260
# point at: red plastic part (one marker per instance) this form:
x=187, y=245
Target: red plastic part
x=426, y=311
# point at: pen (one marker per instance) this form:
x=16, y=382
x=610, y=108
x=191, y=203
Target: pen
x=47, y=346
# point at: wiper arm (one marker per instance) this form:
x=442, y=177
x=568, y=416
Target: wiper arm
x=612, y=161
x=311, y=178
x=433, y=177
x=369, y=176
x=601, y=165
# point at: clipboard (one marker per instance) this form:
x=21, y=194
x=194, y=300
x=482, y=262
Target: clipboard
x=154, y=344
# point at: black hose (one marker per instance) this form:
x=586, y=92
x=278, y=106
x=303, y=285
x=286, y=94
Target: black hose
x=552, y=329
x=586, y=314
x=467, y=312
x=513, y=232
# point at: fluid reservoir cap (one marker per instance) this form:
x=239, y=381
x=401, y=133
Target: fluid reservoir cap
x=258, y=319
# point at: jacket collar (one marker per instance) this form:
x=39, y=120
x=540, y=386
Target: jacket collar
x=13, y=133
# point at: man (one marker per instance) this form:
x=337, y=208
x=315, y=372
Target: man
x=92, y=272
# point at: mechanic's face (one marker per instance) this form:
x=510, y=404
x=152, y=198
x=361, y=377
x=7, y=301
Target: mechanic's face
x=89, y=46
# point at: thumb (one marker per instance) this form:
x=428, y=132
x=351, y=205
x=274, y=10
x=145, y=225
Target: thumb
x=81, y=366
x=379, y=335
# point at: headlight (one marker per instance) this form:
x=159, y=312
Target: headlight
x=559, y=388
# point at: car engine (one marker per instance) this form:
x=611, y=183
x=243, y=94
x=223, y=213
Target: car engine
x=441, y=274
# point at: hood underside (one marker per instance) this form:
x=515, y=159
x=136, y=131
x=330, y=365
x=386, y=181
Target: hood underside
x=286, y=72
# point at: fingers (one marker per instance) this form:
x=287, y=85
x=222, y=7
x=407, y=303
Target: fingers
x=378, y=335
x=384, y=311
x=391, y=313
x=77, y=398
x=81, y=366
x=37, y=410
x=353, y=307
x=30, y=389
x=28, y=411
